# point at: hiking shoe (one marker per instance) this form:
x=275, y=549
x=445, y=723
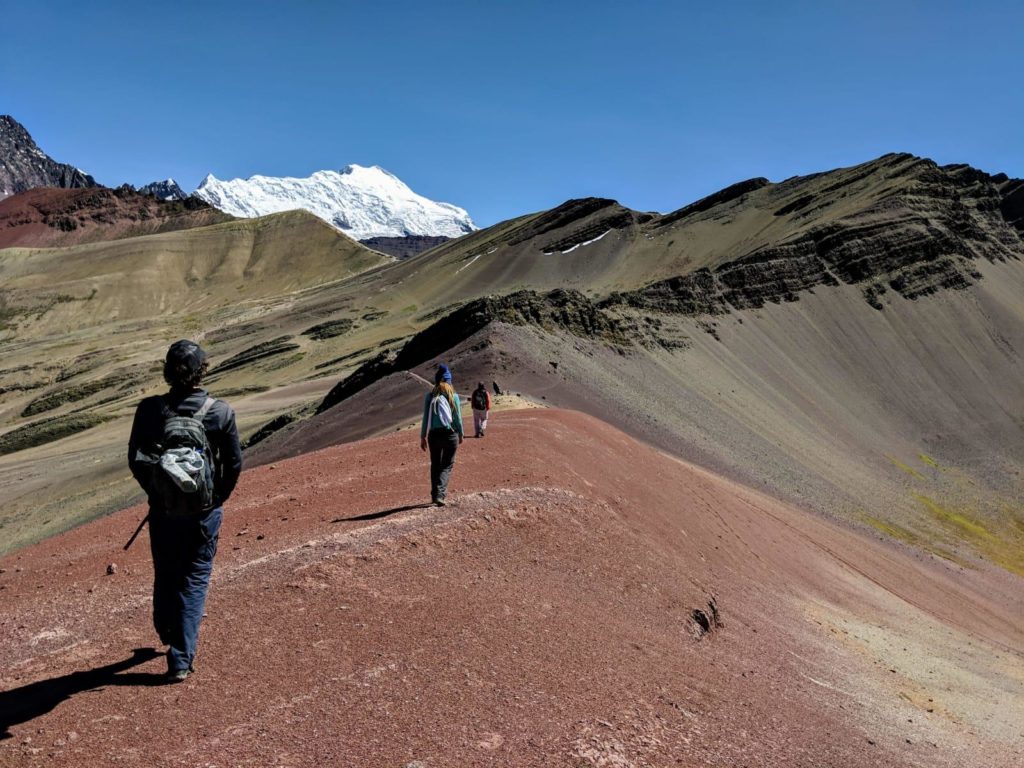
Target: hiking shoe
x=439, y=503
x=178, y=675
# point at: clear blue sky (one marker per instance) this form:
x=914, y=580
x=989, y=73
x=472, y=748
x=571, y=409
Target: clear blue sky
x=511, y=106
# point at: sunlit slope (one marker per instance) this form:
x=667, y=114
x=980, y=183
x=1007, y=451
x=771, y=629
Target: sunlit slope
x=905, y=419
x=898, y=218
x=195, y=270
x=84, y=329
x=848, y=340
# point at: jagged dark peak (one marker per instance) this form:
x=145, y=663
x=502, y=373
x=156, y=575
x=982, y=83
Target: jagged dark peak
x=727, y=195
x=167, y=189
x=24, y=166
x=14, y=129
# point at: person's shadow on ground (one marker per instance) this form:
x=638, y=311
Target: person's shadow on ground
x=20, y=705
x=382, y=513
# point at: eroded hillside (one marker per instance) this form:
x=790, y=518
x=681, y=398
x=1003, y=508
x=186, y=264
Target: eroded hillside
x=847, y=340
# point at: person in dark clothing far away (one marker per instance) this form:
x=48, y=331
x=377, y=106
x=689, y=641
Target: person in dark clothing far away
x=184, y=452
x=481, y=402
x=441, y=432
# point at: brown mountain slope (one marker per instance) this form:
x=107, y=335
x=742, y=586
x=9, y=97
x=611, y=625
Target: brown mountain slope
x=742, y=331
x=174, y=273
x=906, y=420
x=585, y=601
x=49, y=217
x=899, y=223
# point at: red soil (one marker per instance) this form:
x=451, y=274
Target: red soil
x=545, y=618
x=50, y=217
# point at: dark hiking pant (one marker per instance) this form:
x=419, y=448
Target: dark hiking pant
x=443, y=445
x=183, y=550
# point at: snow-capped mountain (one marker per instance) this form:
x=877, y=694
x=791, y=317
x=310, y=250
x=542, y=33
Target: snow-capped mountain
x=361, y=202
x=164, y=190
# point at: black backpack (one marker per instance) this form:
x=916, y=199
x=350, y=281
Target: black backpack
x=185, y=432
x=480, y=400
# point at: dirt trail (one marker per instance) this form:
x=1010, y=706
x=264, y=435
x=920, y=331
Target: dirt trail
x=585, y=601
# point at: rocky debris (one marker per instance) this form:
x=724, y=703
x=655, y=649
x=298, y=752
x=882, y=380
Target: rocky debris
x=111, y=569
x=404, y=247
x=706, y=620
x=24, y=166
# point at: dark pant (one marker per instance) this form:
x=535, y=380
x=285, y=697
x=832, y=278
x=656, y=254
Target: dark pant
x=443, y=445
x=183, y=550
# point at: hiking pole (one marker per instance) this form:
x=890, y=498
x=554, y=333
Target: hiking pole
x=137, y=532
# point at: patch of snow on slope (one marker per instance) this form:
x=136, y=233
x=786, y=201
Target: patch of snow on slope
x=361, y=202
x=579, y=245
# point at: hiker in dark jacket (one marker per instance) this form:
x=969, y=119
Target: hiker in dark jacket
x=441, y=431
x=183, y=545
x=481, y=402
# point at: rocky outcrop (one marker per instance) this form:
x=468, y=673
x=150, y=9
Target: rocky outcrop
x=404, y=247
x=559, y=310
x=923, y=234
x=576, y=222
x=24, y=166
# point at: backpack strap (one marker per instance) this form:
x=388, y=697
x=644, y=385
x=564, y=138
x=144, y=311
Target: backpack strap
x=204, y=409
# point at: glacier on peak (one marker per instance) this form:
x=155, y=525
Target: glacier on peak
x=360, y=201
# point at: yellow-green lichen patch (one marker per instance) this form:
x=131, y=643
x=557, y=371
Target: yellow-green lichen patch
x=904, y=467
x=926, y=459
x=913, y=538
x=959, y=521
x=999, y=539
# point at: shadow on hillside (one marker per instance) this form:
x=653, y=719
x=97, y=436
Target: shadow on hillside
x=382, y=513
x=20, y=705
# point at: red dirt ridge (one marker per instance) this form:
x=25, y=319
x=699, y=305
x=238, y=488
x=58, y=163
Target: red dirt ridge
x=585, y=601
x=50, y=217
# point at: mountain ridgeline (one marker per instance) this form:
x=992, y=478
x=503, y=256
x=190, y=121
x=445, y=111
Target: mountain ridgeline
x=24, y=166
x=814, y=337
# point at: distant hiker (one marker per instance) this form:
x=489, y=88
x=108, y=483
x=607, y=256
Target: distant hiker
x=481, y=402
x=497, y=389
x=184, y=452
x=441, y=432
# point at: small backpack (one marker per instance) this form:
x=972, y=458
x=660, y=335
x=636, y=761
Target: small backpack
x=185, y=452
x=480, y=400
x=440, y=413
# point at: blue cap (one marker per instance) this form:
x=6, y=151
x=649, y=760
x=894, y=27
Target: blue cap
x=442, y=374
